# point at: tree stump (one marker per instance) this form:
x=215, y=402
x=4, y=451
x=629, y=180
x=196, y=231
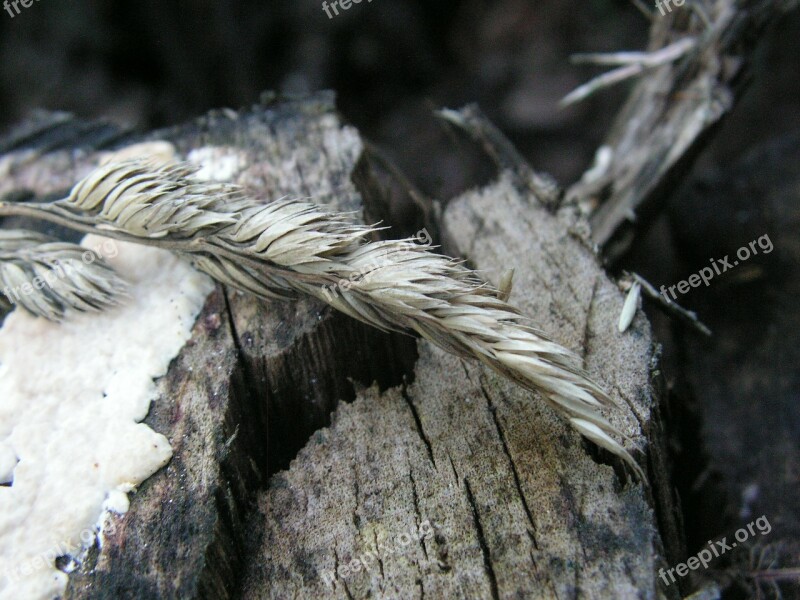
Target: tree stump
x=459, y=483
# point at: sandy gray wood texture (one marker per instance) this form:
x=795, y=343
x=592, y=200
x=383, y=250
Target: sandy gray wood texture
x=517, y=504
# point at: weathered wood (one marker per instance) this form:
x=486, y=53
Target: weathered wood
x=519, y=506
x=257, y=377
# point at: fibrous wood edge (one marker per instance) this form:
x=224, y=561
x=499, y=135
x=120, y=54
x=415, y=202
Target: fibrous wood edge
x=671, y=113
x=518, y=504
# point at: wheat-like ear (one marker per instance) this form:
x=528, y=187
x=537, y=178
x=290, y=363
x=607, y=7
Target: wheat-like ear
x=46, y=276
x=288, y=247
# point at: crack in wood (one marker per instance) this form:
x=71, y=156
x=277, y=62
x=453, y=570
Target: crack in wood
x=418, y=423
x=416, y=506
x=588, y=321
x=514, y=472
x=487, y=562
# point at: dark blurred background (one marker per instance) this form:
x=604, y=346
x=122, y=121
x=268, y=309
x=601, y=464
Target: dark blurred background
x=150, y=64
x=736, y=419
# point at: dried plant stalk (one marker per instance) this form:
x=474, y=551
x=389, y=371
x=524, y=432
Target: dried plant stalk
x=288, y=247
x=46, y=276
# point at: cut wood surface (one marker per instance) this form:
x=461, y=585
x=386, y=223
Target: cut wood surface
x=462, y=484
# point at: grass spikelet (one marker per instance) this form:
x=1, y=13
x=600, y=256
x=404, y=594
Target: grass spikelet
x=291, y=247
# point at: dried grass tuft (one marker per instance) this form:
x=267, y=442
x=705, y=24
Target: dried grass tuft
x=291, y=247
x=47, y=277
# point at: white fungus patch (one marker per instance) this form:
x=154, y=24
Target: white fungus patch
x=217, y=163
x=8, y=460
x=72, y=396
x=156, y=151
